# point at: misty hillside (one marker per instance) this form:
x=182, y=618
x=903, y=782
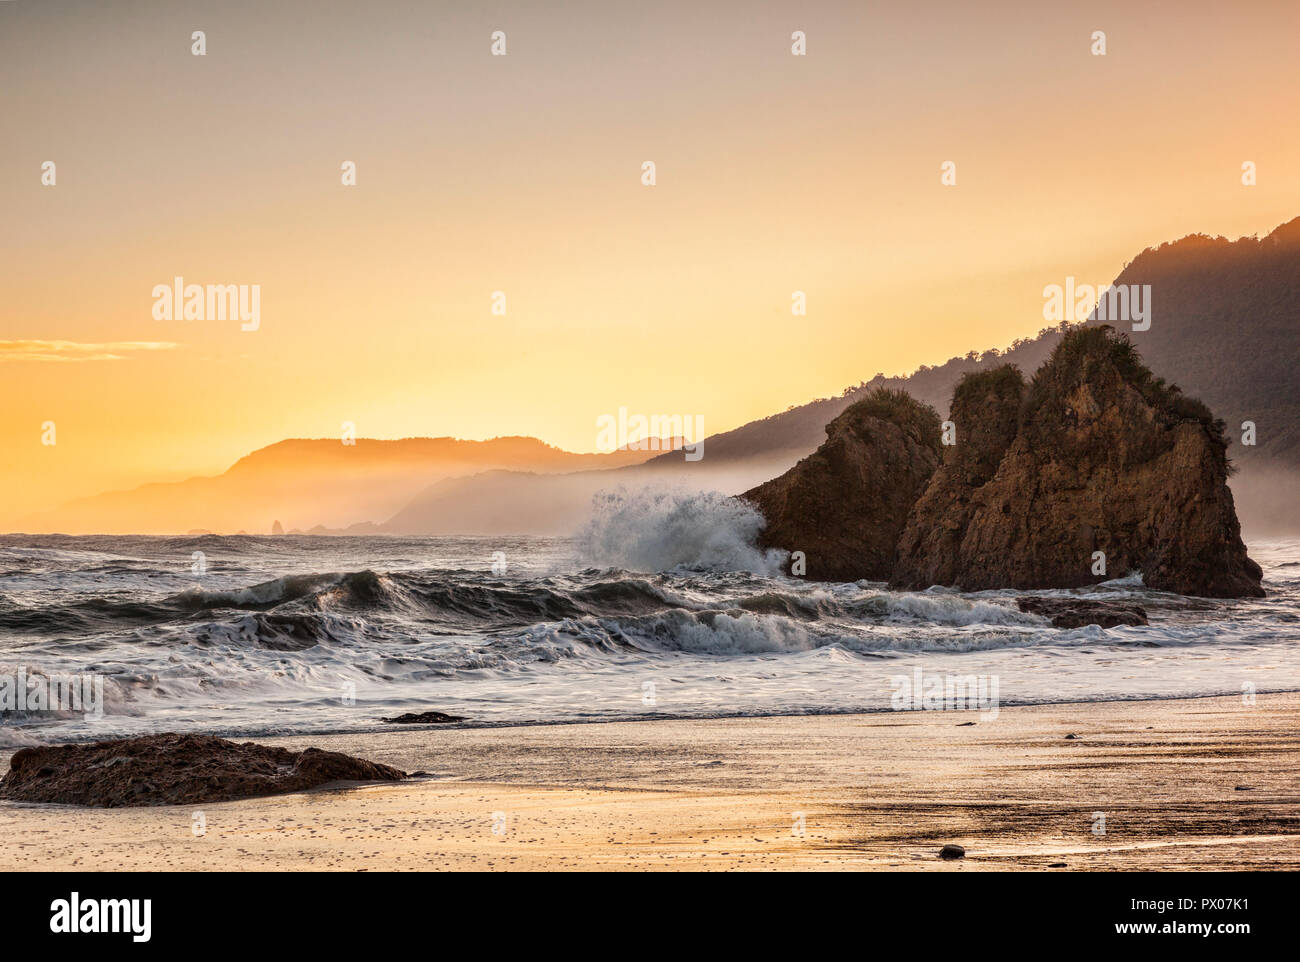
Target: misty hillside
x=514, y=502
x=1225, y=327
x=1225, y=322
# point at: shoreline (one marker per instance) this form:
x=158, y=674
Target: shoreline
x=1182, y=783
x=386, y=729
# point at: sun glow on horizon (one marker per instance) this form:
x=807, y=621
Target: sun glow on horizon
x=478, y=174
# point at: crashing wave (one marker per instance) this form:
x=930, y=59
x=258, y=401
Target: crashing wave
x=664, y=530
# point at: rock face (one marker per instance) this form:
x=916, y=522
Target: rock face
x=1078, y=612
x=1101, y=456
x=845, y=504
x=171, y=769
x=985, y=411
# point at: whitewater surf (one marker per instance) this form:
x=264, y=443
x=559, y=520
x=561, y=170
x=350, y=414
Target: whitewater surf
x=662, y=607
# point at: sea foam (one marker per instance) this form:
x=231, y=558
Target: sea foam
x=665, y=530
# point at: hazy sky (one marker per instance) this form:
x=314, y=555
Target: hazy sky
x=522, y=173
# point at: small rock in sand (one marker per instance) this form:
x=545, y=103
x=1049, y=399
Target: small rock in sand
x=951, y=851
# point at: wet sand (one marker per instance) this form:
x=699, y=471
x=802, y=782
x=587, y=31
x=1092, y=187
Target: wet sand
x=1185, y=784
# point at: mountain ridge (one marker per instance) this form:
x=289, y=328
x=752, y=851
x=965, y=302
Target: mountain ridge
x=1198, y=367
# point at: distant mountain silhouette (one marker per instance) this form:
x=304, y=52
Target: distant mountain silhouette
x=310, y=482
x=1226, y=328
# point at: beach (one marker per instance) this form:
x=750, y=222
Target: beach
x=1185, y=784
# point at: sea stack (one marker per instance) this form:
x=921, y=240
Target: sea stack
x=845, y=505
x=1094, y=470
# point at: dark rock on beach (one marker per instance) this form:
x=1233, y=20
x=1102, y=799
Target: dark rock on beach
x=424, y=718
x=1078, y=612
x=1100, y=456
x=171, y=769
x=951, y=851
x=844, y=506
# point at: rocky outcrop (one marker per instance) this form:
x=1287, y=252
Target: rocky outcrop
x=985, y=414
x=170, y=769
x=1104, y=457
x=1079, y=612
x=424, y=718
x=845, y=505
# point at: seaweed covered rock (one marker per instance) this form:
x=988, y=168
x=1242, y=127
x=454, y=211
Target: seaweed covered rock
x=1078, y=612
x=170, y=769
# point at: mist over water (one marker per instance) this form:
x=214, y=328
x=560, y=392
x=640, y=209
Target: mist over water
x=662, y=606
x=1265, y=496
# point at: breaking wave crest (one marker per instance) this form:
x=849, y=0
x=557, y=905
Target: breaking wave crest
x=606, y=610
x=665, y=530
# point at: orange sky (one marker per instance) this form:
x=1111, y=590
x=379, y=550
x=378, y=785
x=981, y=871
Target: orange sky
x=523, y=174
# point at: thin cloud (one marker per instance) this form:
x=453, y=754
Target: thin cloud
x=77, y=351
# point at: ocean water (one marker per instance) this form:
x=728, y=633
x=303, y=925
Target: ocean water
x=660, y=608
